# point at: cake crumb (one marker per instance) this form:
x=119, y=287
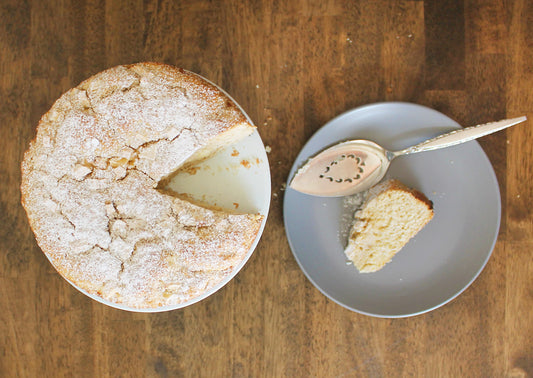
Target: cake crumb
x=268, y=149
x=235, y=152
x=236, y=205
x=349, y=204
x=245, y=163
x=283, y=187
x=192, y=170
x=257, y=86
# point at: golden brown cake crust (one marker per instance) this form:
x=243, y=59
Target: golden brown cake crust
x=89, y=186
x=394, y=184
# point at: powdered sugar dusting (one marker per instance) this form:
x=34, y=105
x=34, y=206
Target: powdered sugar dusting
x=89, y=184
x=350, y=204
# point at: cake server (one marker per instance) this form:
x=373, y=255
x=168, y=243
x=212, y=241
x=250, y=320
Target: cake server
x=356, y=165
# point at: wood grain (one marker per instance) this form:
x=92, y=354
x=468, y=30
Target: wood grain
x=292, y=66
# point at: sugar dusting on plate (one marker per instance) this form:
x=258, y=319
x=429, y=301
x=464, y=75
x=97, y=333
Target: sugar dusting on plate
x=349, y=206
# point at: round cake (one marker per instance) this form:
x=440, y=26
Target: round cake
x=92, y=178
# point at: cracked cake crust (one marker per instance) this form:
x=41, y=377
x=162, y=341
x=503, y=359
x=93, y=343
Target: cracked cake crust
x=90, y=177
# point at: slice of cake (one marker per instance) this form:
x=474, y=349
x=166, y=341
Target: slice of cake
x=390, y=216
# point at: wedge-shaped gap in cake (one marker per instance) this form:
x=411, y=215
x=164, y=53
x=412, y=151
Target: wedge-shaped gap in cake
x=231, y=178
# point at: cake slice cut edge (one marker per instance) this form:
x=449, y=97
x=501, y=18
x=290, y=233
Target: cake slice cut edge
x=391, y=215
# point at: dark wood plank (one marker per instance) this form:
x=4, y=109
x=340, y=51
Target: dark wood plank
x=445, y=44
x=17, y=257
x=403, y=56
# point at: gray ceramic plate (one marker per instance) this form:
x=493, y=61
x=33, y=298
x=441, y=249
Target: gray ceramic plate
x=443, y=259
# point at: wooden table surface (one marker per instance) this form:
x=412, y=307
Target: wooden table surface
x=292, y=65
